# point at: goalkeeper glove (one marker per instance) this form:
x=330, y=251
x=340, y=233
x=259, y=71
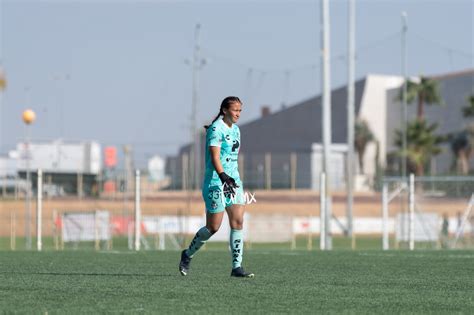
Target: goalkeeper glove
x=229, y=184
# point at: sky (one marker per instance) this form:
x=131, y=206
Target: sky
x=118, y=72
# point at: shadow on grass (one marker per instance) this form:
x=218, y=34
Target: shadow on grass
x=91, y=274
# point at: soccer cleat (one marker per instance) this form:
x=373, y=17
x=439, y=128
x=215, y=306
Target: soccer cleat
x=239, y=272
x=184, y=263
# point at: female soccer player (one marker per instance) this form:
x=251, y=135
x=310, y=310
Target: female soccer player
x=222, y=188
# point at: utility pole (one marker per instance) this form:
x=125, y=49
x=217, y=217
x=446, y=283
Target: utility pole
x=350, y=117
x=404, y=95
x=286, y=88
x=195, y=156
x=326, y=110
x=29, y=117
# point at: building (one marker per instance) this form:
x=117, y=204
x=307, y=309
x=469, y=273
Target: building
x=283, y=149
x=68, y=167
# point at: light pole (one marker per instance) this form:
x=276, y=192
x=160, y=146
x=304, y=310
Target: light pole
x=326, y=110
x=350, y=117
x=195, y=150
x=404, y=95
x=29, y=117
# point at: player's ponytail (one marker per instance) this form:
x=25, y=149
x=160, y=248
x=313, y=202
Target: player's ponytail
x=225, y=104
x=214, y=120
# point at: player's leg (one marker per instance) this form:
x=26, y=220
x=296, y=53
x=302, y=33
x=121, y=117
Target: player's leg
x=235, y=213
x=214, y=215
x=213, y=222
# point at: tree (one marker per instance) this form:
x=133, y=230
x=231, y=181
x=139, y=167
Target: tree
x=363, y=135
x=462, y=143
x=468, y=111
x=424, y=92
x=422, y=144
x=461, y=149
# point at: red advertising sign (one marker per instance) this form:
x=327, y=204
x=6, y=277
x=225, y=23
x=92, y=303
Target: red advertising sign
x=110, y=158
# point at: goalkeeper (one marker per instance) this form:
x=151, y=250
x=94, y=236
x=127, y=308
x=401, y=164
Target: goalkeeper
x=222, y=187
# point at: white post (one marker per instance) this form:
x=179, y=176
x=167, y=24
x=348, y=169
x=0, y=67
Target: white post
x=404, y=119
x=137, y=210
x=350, y=117
x=412, y=211
x=162, y=245
x=39, y=210
x=322, y=211
x=96, y=230
x=326, y=112
x=385, y=216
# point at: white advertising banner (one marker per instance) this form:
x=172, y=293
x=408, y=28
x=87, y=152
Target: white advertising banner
x=85, y=226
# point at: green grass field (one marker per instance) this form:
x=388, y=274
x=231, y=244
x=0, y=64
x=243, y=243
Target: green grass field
x=285, y=282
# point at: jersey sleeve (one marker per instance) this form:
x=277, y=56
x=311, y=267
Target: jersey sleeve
x=214, y=136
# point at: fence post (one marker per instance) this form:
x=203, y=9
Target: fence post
x=241, y=166
x=322, y=213
x=293, y=165
x=385, y=216
x=39, y=210
x=80, y=185
x=268, y=171
x=55, y=229
x=96, y=230
x=13, y=230
x=412, y=212
x=137, y=210
x=184, y=172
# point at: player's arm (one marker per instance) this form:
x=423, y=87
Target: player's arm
x=216, y=158
x=229, y=182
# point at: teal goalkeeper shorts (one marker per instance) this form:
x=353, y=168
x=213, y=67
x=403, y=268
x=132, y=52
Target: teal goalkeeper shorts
x=216, y=201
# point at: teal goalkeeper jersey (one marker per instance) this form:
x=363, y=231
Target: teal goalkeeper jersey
x=228, y=139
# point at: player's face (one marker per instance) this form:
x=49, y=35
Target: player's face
x=233, y=112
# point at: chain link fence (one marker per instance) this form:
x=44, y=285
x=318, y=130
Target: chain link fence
x=99, y=212
x=428, y=212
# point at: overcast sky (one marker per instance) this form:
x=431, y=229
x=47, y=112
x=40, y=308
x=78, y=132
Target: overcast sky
x=115, y=71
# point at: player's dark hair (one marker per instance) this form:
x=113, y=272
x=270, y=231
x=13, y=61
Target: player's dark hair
x=226, y=102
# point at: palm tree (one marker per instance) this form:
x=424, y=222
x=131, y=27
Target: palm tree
x=425, y=92
x=422, y=144
x=468, y=111
x=363, y=135
x=462, y=143
x=461, y=149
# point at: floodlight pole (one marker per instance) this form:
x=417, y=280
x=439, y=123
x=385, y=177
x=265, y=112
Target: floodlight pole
x=385, y=243
x=137, y=211
x=28, y=188
x=404, y=95
x=195, y=146
x=412, y=212
x=322, y=212
x=39, y=211
x=326, y=110
x=350, y=117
